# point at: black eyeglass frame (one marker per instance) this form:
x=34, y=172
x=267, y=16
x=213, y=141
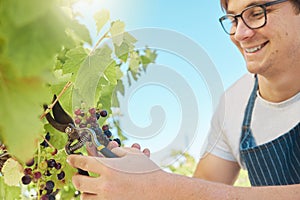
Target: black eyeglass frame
x=263, y=6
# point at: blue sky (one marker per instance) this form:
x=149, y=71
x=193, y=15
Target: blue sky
x=193, y=18
x=197, y=20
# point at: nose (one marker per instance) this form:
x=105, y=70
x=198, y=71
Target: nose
x=242, y=31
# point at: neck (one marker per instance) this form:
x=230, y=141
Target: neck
x=280, y=88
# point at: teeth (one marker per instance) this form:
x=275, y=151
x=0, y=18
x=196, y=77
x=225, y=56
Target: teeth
x=254, y=49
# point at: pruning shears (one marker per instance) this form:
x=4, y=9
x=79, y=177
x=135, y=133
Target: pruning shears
x=77, y=137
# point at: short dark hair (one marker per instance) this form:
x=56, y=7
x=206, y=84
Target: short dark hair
x=296, y=3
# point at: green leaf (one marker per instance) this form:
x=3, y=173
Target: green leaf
x=20, y=106
x=149, y=57
x=13, y=172
x=79, y=33
x=21, y=13
x=90, y=72
x=101, y=17
x=113, y=73
x=117, y=29
x=9, y=192
x=32, y=52
x=122, y=51
x=75, y=58
x=134, y=62
x=127, y=46
x=57, y=139
x=106, y=97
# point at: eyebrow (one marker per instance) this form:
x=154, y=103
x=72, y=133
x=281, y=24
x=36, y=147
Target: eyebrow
x=248, y=5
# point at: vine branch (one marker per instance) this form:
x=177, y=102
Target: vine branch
x=99, y=41
x=68, y=84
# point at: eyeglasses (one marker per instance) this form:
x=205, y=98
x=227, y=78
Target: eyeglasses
x=254, y=17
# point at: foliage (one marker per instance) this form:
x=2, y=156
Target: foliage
x=42, y=48
x=242, y=180
x=185, y=165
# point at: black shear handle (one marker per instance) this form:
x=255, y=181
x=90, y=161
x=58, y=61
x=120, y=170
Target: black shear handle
x=105, y=152
x=82, y=172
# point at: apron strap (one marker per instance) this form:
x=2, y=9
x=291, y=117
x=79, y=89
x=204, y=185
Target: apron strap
x=250, y=105
x=247, y=140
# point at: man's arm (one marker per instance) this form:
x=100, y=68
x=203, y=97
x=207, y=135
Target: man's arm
x=134, y=176
x=213, y=168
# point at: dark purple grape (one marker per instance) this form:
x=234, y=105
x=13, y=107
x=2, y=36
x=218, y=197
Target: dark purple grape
x=26, y=179
x=57, y=165
x=30, y=162
x=48, y=173
x=82, y=125
x=94, y=125
x=93, y=119
x=118, y=141
x=44, y=144
x=47, y=137
x=27, y=171
x=92, y=111
x=49, y=185
x=37, y=175
x=61, y=175
x=51, y=163
x=49, y=191
x=77, y=120
x=51, y=197
x=103, y=113
x=44, y=197
x=98, y=115
x=78, y=112
x=105, y=127
x=107, y=133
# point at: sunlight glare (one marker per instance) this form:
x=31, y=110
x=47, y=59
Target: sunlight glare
x=89, y=7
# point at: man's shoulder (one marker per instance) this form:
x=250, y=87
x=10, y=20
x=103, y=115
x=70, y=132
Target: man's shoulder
x=238, y=93
x=245, y=83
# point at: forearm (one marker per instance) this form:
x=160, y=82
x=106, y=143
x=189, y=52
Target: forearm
x=181, y=187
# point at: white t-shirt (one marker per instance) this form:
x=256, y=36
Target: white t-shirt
x=269, y=120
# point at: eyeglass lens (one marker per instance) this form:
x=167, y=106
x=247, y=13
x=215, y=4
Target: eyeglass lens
x=253, y=17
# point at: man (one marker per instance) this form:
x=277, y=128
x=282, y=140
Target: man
x=256, y=125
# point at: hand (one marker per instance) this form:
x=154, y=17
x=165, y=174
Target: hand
x=92, y=151
x=123, y=178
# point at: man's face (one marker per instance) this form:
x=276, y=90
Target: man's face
x=274, y=47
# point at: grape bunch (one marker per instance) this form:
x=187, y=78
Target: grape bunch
x=43, y=171
x=89, y=119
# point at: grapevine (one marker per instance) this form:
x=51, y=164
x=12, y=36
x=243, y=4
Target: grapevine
x=35, y=67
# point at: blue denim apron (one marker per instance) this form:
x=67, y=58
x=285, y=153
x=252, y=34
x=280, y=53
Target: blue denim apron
x=274, y=163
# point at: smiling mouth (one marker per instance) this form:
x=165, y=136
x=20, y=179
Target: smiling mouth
x=255, y=49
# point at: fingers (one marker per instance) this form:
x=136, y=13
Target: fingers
x=136, y=145
x=86, y=184
x=87, y=163
x=145, y=151
x=112, y=144
x=91, y=150
x=122, y=151
x=87, y=196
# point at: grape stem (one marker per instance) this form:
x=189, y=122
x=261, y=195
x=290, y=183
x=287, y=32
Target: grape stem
x=48, y=143
x=98, y=42
x=68, y=84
